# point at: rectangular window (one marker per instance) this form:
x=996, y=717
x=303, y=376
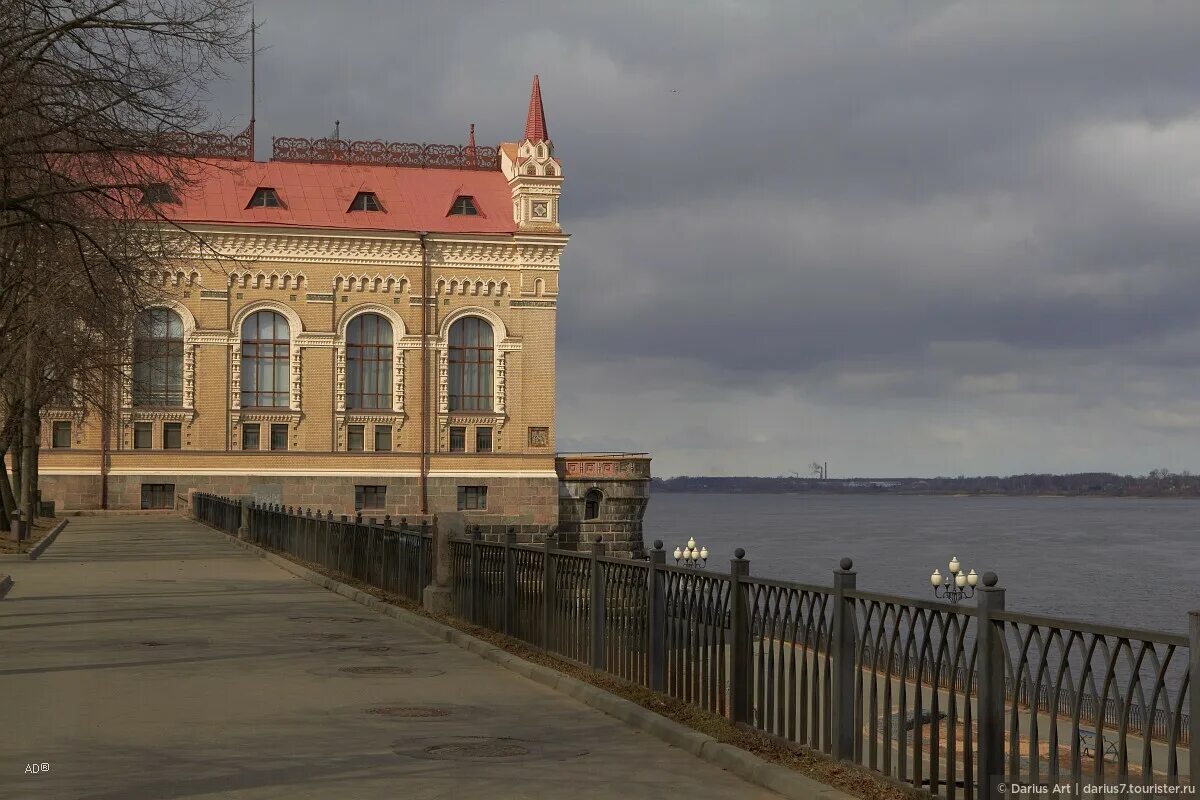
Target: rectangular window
x=483, y=439
x=472, y=498
x=369, y=497
x=62, y=434
x=143, y=435
x=458, y=440
x=172, y=435
x=279, y=436
x=250, y=437
x=383, y=438
x=354, y=439
x=158, y=495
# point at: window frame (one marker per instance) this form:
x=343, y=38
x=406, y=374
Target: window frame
x=351, y=432
x=377, y=492
x=367, y=198
x=472, y=498
x=383, y=430
x=471, y=365
x=592, y=499
x=157, y=490
x=266, y=193
x=161, y=356
x=461, y=432
x=177, y=427
x=247, y=427
x=480, y=434
x=55, y=428
x=158, y=193
x=277, y=427
x=370, y=363
x=464, y=206
x=253, y=361
x=146, y=427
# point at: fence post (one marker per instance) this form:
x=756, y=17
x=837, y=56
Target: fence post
x=990, y=694
x=842, y=652
x=474, y=586
x=740, y=650
x=423, y=567
x=1194, y=698
x=656, y=623
x=596, y=604
x=548, y=592
x=510, y=583
x=243, y=519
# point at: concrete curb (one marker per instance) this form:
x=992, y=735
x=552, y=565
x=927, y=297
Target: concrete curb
x=47, y=540
x=745, y=765
x=6, y=583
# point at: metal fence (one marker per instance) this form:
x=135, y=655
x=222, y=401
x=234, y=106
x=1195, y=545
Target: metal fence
x=954, y=699
x=391, y=555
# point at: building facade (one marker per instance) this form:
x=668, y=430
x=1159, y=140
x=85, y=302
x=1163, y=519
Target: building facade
x=355, y=326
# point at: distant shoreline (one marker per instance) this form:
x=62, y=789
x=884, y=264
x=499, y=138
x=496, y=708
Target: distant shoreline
x=1159, y=484
x=659, y=490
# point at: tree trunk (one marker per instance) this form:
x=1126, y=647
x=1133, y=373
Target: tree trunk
x=37, y=452
x=28, y=433
x=7, y=502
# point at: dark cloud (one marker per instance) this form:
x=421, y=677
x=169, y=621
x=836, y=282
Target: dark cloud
x=923, y=238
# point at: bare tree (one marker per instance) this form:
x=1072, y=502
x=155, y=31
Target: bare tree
x=99, y=104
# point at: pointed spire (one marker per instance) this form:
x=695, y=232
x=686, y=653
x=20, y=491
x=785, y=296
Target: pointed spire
x=471, y=146
x=535, y=123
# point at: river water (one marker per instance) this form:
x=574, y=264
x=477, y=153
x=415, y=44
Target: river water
x=1116, y=561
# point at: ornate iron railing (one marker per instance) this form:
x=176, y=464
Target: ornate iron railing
x=210, y=144
x=953, y=699
x=391, y=555
x=392, y=154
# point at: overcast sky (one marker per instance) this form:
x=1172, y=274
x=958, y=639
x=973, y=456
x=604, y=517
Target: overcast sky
x=903, y=238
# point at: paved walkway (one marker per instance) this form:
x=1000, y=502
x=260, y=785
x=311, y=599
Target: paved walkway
x=146, y=657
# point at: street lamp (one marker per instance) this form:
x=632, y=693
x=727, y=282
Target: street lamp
x=956, y=585
x=691, y=556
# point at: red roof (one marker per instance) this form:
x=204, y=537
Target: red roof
x=317, y=195
x=535, y=122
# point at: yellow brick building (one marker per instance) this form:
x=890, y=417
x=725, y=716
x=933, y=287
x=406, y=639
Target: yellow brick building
x=288, y=359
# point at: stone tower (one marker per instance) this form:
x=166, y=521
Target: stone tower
x=604, y=495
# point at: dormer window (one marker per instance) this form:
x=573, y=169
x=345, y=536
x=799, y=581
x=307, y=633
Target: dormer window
x=464, y=207
x=265, y=197
x=158, y=193
x=366, y=201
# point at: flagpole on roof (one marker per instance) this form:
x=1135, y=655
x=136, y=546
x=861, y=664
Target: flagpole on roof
x=253, y=77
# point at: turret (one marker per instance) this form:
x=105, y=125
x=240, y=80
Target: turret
x=534, y=174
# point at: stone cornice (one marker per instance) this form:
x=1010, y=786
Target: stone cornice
x=376, y=249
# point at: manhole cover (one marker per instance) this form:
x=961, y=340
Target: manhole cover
x=378, y=669
x=317, y=637
x=364, y=648
x=408, y=711
x=153, y=644
x=482, y=749
x=348, y=620
x=374, y=670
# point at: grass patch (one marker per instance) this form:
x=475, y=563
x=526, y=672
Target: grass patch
x=41, y=527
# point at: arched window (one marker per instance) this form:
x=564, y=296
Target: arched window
x=266, y=361
x=471, y=359
x=157, y=358
x=591, y=504
x=369, y=362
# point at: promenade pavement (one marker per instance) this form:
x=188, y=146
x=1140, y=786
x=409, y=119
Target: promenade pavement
x=148, y=658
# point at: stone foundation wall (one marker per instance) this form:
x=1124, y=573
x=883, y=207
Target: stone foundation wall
x=528, y=504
